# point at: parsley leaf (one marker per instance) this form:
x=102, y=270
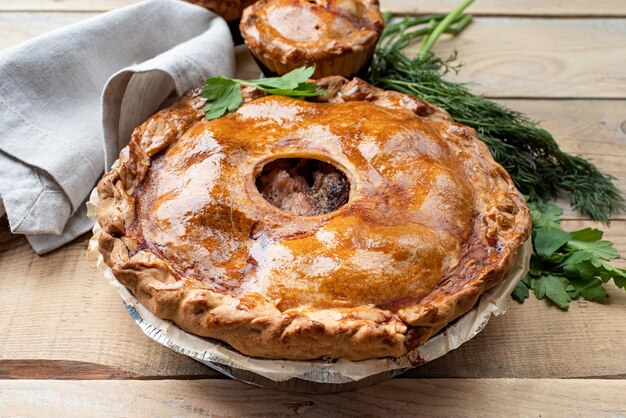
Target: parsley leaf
x=549, y=239
x=566, y=266
x=544, y=214
x=584, y=240
x=224, y=94
x=576, y=258
x=587, y=235
x=590, y=289
x=520, y=293
x=554, y=288
x=290, y=81
x=607, y=272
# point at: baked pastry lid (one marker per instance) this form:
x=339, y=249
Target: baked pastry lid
x=311, y=375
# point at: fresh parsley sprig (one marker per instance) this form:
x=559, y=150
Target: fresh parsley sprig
x=566, y=266
x=224, y=94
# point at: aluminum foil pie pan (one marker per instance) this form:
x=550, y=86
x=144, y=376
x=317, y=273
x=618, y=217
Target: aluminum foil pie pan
x=316, y=376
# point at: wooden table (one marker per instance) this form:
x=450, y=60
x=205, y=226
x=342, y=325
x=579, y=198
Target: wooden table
x=68, y=347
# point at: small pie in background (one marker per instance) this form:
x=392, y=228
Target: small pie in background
x=338, y=37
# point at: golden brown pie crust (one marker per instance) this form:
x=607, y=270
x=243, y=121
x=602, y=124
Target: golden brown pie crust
x=337, y=36
x=431, y=223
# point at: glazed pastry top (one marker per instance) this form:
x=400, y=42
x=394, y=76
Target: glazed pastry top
x=429, y=223
x=408, y=220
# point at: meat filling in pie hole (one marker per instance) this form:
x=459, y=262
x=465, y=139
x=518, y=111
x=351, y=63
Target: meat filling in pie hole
x=303, y=186
x=354, y=226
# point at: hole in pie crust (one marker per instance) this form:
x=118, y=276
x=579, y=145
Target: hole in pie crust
x=303, y=186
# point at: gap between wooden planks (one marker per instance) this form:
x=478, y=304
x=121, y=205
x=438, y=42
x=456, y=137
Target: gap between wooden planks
x=399, y=397
x=60, y=308
x=486, y=7
x=504, y=57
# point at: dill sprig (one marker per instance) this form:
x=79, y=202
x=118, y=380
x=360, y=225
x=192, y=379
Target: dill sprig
x=529, y=153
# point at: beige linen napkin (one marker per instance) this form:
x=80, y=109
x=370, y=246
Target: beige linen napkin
x=55, y=118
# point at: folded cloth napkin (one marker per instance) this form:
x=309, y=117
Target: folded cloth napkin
x=64, y=94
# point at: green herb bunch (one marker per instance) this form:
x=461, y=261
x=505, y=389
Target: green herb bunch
x=564, y=266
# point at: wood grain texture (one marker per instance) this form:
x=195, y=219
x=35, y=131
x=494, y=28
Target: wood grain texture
x=400, y=397
x=504, y=57
x=512, y=7
x=508, y=57
x=484, y=7
x=59, y=369
x=59, y=307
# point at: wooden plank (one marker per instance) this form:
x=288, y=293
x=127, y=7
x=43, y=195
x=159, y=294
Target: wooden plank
x=530, y=58
x=483, y=7
x=593, y=128
x=504, y=57
x=511, y=7
x=58, y=307
x=399, y=397
x=59, y=369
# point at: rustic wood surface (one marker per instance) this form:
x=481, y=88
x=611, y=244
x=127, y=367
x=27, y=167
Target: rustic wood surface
x=400, y=397
x=67, y=343
x=482, y=7
x=529, y=57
